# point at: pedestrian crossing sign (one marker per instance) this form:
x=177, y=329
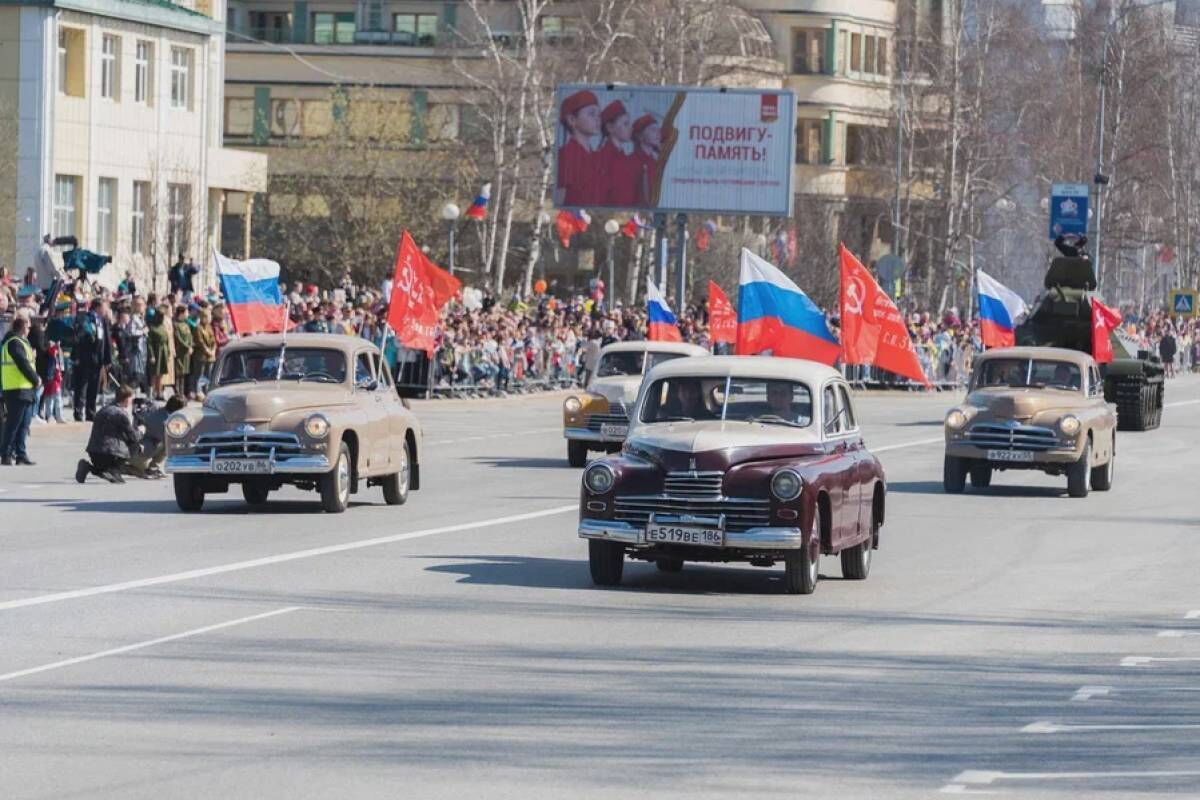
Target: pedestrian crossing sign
x=1182, y=303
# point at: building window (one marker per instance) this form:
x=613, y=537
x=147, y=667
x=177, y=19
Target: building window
x=106, y=201
x=66, y=193
x=881, y=59
x=869, y=54
x=330, y=28
x=181, y=77
x=271, y=26
x=110, y=47
x=71, y=51
x=809, y=135
x=179, y=197
x=865, y=145
x=557, y=30
x=856, y=52
x=415, y=30
x=142, y=73
x=137, y=231
x=808, y=51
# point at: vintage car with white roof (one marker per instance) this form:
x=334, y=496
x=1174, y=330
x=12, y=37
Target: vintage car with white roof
x=316, y=411
x=737, y=459
x=1032, y=408
x=598, y=418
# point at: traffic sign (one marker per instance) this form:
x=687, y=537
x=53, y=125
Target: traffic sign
x=1182, y=302
x=1068, y=209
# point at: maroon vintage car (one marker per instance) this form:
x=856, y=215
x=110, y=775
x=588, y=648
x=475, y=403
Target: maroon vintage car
x=756, y=460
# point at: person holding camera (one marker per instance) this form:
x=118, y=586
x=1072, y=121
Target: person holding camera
x=112, y=439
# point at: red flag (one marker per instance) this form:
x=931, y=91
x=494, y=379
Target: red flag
x=1105, y=320
x=570, y=223
x=722, y=319
x=411, y=309
x=445, y=286
x=873, y=330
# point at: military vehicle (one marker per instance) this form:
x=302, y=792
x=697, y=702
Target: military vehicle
x=1062, y=317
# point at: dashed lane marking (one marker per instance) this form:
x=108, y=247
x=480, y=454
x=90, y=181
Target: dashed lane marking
x=490, y=436
x=903, y=445
x=961, y=782
x=280, y=558
x=1045, y=726
x=1192, y=614
x=1085, y=693
x=1145, y=661
x=1174, y=634
x=129, y=648
x=1178, y=403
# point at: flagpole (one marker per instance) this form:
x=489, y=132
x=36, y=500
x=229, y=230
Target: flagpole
x=287, y=316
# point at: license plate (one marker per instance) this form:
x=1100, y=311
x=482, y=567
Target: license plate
x=1010, y=455
x=684, y=534
x=609, y=429
x=241, y=466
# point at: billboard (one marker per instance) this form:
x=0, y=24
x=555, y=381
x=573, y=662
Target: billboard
x=670, y=149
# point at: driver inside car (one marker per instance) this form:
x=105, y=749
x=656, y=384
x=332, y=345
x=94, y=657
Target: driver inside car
x=1065, y=376
x=780, y=402
x=684, y=400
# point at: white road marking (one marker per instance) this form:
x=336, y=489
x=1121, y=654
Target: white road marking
x=494, y=436
x=1192, y=614
x=917, y=443
x=1045, y=726
x=1085, y=693
x=978, y=777
x=1174, y=634
x=1181, y=403
x=129, y=648
x=280, y=558
x=1143, y=661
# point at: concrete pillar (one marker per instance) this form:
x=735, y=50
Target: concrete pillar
x=247, y=223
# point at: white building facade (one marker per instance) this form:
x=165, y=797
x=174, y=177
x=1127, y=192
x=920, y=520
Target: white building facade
x=117, y=136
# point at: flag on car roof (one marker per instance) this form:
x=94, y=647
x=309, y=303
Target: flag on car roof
x=663, y=326
x=1000, y=308
x=775, y=315
x=478, y=209
x=252, y=294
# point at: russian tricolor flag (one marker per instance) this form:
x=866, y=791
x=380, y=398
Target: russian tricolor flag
x=999, y=310
x=478, y=209
x=775, y=315
x=663, y=326
x=570, y=223
x=252, y=295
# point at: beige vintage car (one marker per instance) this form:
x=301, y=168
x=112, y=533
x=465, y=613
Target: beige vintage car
x=598, y=418
x=315, y=411
x=1036, y=408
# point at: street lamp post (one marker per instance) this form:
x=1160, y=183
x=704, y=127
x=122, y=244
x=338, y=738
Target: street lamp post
x=450, y=213
x=611, y=228
x=544, y=220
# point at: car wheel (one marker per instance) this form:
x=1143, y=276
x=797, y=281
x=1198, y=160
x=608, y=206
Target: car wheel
x=396, y=485
x=856, y=561
x=607, y=562
x=1079, y=472
x=1102, y=476
x=577, y=453
x=189, y=496
x=981, y=475
x=669, y=564
x=800, y=571
x=335, y=484
x=954, y=474
x=255, y=492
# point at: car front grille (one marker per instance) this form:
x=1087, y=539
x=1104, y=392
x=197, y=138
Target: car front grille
x=616, y=415
x=704, y=485
x=1006, y=437
x=248, y=445
x=741, y=513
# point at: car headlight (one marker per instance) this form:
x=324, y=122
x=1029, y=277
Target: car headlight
x=956, y=419
x=316, y=426
x=1069, y=425
x=178, y=426
x=572, y=405
x=599, y=478
x=786, y=485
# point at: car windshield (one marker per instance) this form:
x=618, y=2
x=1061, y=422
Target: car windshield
x=1030, y=373
x=771, y=402
x=308, y=364
x=632, y=362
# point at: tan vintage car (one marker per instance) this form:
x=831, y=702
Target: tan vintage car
x=598, y=418
x=316, y=411
x=1039, y=408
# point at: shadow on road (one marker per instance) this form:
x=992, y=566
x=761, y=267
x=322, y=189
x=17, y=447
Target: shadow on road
x=519, y=462
x=935, y=487
x=216, y=506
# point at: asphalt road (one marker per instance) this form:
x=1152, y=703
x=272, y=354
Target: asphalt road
x=1013, y=641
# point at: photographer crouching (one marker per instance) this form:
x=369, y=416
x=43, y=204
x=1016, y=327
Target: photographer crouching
x=113, y=437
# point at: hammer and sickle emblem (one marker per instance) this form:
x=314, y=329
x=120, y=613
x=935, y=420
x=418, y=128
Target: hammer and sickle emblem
x=855, y=294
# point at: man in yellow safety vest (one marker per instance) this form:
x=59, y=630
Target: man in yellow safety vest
x=19, y=381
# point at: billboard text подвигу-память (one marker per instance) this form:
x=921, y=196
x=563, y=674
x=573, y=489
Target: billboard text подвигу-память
x=664, y=149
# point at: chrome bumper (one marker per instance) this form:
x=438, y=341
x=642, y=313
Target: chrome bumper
x=295, y=465
x=1057, y=455
x=752, y=539
x=586, y=435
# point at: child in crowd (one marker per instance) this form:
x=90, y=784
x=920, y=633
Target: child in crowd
x=52, y=393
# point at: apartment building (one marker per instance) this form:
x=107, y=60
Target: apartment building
x=115, y=110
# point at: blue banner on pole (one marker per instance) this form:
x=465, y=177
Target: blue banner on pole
x=1068, y=209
